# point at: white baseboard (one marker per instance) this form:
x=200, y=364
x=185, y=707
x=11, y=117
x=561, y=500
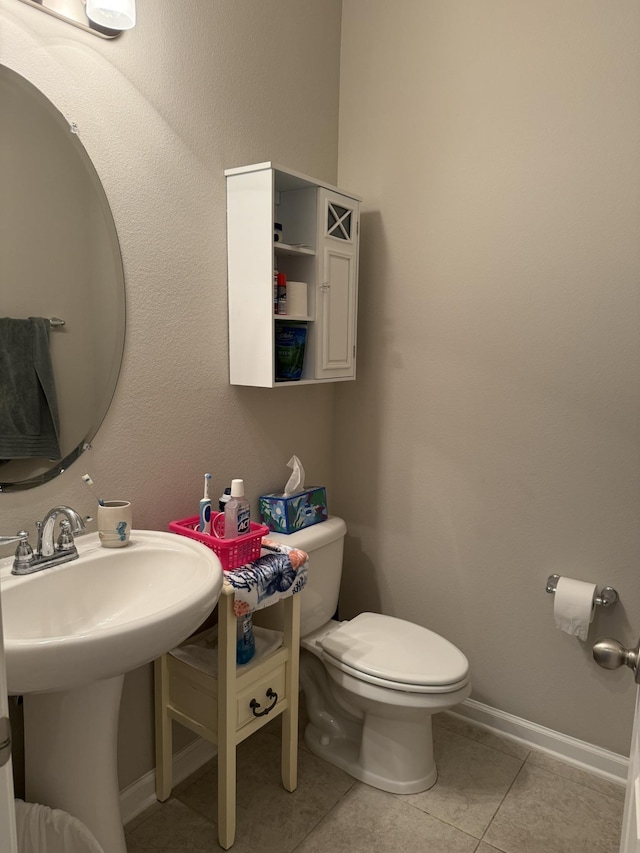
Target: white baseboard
x=579, y=753
x=142, y=793
x=609, y=765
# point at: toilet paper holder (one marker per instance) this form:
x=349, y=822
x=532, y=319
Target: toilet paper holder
x=608, y=595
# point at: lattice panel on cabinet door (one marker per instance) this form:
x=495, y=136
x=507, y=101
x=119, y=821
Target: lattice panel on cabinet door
x=339, y=221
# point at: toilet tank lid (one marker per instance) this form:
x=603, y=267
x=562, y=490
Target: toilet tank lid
x=396, y=650
x=313, y=537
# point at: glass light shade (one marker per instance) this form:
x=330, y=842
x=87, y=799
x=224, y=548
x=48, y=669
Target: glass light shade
x=113, y=14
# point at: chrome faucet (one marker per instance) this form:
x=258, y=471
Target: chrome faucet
x=47, y=552
x=46, y=546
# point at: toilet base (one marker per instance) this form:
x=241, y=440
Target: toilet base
x=368, y=755
x=382, y=737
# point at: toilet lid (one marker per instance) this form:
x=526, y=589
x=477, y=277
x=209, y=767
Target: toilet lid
x=397, y=652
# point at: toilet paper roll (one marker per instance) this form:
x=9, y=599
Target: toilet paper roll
x=297, y=298
x=574, y=606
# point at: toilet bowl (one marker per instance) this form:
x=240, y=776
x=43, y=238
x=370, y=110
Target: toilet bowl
x=371, y=683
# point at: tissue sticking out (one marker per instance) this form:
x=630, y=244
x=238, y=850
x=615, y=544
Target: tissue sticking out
x=295, y=483
x=295, y=507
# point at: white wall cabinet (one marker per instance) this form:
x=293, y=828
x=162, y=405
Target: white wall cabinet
x=318, y=246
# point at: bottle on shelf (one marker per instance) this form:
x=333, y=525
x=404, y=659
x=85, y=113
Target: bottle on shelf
x=245, y=639
x=275, y=288
x=282, y=293
x=224, y=498
x=237, y=514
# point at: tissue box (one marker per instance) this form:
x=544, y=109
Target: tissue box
x=288, y=514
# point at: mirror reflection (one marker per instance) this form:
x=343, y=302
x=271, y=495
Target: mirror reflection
x=60, y=262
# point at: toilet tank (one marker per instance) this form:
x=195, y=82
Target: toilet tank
x=324, y=543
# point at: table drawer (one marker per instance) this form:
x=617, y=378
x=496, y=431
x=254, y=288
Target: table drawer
x=267, y=692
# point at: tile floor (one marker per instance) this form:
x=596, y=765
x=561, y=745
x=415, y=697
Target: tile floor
x=491, y=795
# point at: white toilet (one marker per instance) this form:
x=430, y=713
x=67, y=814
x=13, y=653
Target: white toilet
x=372, y=683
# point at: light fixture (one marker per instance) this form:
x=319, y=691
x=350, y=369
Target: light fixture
x=114, y=14
x=104, y=18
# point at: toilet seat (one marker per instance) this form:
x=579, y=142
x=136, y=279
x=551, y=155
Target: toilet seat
x=395, y=654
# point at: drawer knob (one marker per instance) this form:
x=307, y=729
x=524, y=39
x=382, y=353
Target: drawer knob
x=254, y=704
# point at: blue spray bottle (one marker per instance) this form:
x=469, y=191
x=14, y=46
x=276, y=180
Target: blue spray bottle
x=245, y=639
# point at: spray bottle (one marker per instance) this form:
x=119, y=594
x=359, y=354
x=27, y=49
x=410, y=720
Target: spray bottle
x=245, y=639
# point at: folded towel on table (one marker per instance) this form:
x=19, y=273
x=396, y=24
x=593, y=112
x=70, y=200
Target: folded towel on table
x=29, y=424
x=268, y=579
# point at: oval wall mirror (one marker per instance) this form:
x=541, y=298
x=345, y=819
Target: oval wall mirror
x=60, y=261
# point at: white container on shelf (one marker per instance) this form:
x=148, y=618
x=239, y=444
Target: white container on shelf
x=297, y=305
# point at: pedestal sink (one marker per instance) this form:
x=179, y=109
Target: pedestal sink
x=71, y=632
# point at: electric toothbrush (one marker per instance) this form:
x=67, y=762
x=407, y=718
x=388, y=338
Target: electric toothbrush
x=204, y=525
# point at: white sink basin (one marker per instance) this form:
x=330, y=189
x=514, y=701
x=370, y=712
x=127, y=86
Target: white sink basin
x=107, y=612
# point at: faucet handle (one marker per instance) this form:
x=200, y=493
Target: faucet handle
x=24, y=551
x=21, y=536
x=65, y=540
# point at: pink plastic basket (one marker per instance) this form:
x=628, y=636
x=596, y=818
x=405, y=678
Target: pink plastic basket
x=232, y=553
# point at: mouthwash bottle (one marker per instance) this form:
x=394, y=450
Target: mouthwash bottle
x=237, y=515
x=245, y=640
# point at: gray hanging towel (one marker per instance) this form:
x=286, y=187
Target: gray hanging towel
x=29, y=424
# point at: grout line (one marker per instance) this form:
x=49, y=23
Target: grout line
x=141, y=819
x=324, y=816
x=506, y=794
x=210, y=819
x=583, y=755
x=482, y=742
x=567, y=777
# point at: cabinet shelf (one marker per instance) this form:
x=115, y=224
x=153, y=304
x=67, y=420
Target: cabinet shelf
x=297, y=318
x=321, y=226
x=286, y=249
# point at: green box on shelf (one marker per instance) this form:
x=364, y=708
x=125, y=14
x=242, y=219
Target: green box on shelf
x=288, y=514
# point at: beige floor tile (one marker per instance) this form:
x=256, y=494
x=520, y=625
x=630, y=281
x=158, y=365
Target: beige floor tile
x=551, y=807
x=546, y=813
x=367, y=820
x=582, y=777
x=468, y=729
x=207, y=767
x=138, y=819
x=472, y=782
x=269, y=818
x=173, y=828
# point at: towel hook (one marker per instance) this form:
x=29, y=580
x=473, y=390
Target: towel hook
x=608, y=595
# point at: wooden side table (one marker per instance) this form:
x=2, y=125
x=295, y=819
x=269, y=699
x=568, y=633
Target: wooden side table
x=230, y=707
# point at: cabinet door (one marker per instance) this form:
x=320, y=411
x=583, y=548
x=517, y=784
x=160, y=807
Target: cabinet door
x=337, y=248
x=250, y=271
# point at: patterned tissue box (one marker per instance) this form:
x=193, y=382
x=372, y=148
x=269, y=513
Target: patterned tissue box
x=288, y=514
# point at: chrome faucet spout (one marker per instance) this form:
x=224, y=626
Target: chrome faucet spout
x=47, y=546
